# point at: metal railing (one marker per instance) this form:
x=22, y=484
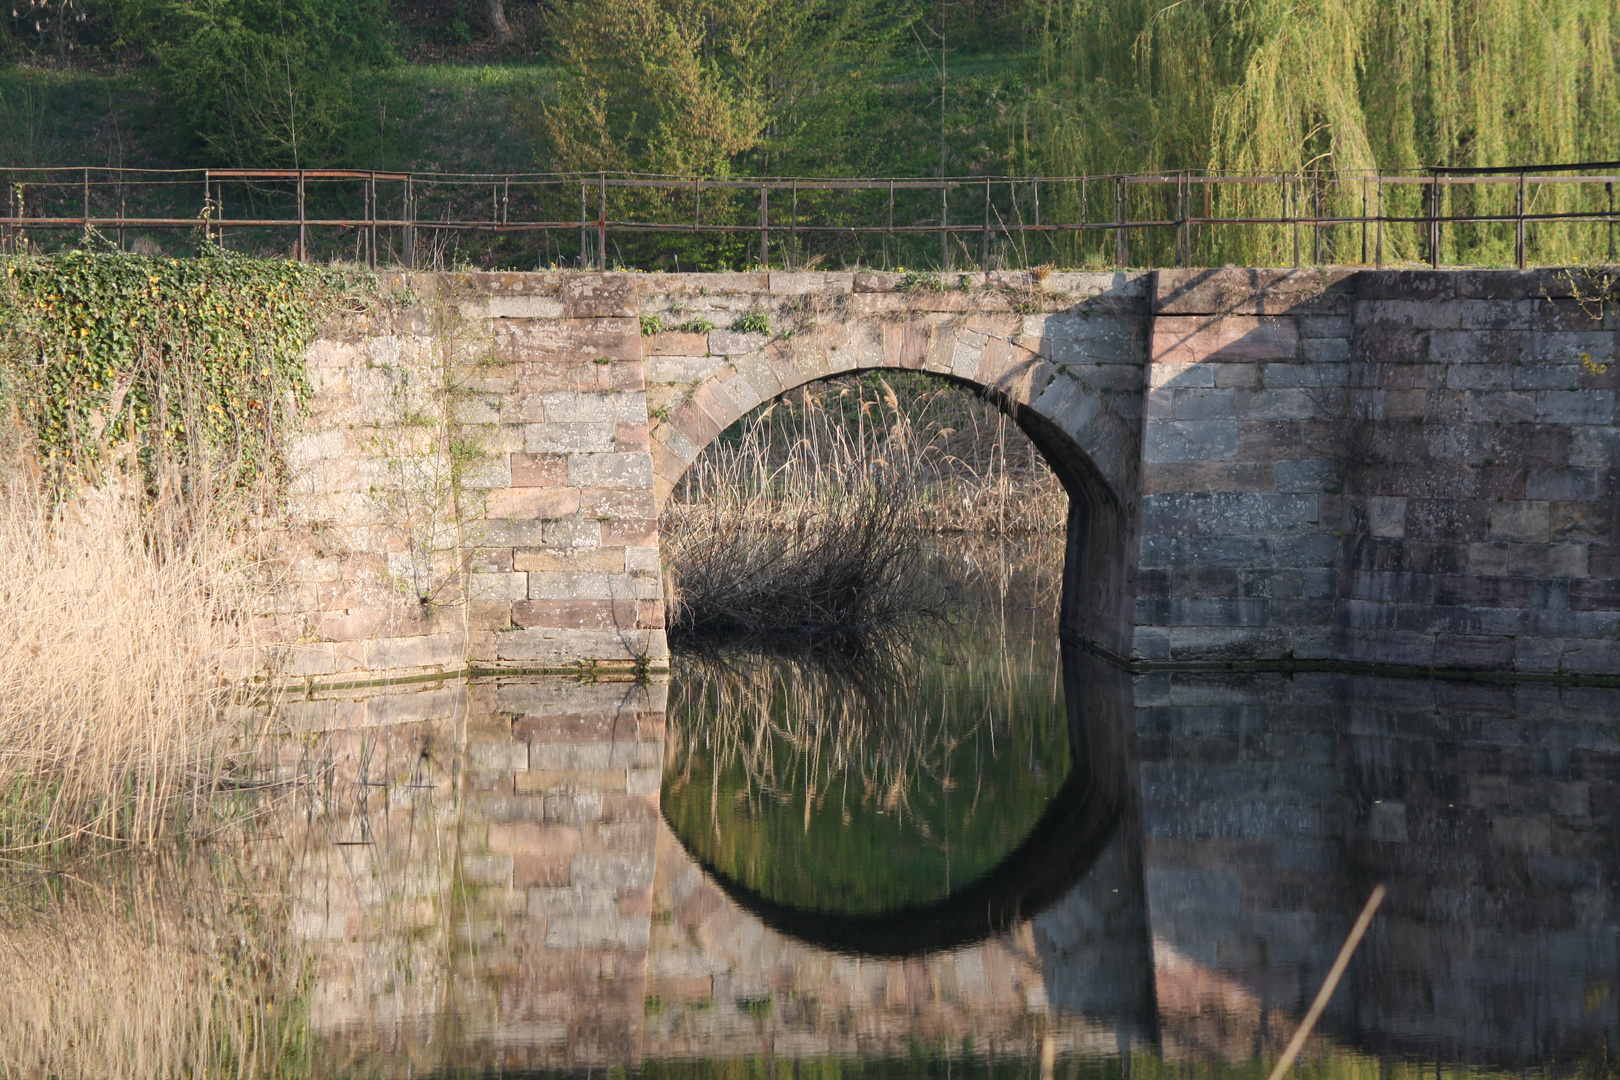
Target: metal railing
x=1172, y=218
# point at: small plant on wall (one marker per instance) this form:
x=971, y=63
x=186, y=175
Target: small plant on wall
x=428, y=455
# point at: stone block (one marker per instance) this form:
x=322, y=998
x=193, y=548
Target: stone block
x=1520, y=521
x=575, y=614
x=1307, y=476
x=569, y=438
x=683, y=370
x=1386, y=516
x=1252, y=292
x=607, y=559
x=1473, y=652
x=572, y=407
x=821, y=281
x=729, y=343
x=1181, y=375
x=524, y=307
x=539, y=470
x=600, y=295
x=1231, y=338
x=566, y=649
x=1228, y=515
x=1575, y=406
x=1171, y=477
x=441, y=651
x=1198, y=440
x=611, y=470
x=497, y=586
x=532, y=504
x=675, y=343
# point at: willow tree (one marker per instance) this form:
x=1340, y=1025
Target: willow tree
x=1324, y=91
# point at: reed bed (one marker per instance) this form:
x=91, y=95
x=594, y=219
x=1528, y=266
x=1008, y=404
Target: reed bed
x=116, y=619
x=149, y=969
x=809, y=516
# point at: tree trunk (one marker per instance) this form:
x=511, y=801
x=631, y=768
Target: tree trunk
x=495, y=12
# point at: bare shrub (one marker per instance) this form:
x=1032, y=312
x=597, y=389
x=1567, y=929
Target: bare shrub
x=117, y=619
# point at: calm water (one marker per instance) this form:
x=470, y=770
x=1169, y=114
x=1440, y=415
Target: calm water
x=981, y=855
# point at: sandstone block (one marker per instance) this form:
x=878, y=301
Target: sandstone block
x=568, y=560
x=610, y=470
x=568, y=438
x=533, y=503
x=498, y=586
x=1230, y=338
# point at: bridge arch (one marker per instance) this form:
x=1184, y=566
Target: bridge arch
x=1071, y=378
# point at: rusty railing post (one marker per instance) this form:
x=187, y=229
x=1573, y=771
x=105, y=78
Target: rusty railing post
x=1122, y=207
x=764, y=227
x=1363, y=221
x=1519, y=254
x=407, y=231
x=888, y=237
x=601, y=224
x=1434, y=220
x=371, y=221
x=584, y=230
x=1293, y=214
x=303, y=229
x=984, y=234
x=944, y=227
x=1609, y=187
x=1380, y=262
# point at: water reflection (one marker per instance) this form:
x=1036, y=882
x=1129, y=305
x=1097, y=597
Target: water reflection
x=513, y=897
x=761, y=870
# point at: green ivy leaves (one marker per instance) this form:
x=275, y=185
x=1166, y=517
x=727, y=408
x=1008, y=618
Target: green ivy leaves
x=193, y=364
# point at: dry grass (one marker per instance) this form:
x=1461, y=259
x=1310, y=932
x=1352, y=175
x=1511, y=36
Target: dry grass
x=115, y=620
x=965, y=466
x=148, y=970
x=809, y=516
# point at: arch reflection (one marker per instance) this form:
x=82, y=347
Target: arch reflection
x=1040, y=789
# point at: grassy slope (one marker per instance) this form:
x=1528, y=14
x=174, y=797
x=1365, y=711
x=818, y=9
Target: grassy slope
x=472, y=117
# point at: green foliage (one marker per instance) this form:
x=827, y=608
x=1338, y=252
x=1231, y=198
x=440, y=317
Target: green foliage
x=190, y=366
x=1273, y=87
x=708, y=87
x=755, y=322
x=264, y=82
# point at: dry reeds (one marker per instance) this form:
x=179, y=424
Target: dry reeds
x=112, y=639
x=149, y=970
x=809, y=515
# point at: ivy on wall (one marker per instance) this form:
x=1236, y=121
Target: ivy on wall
x=189, y=367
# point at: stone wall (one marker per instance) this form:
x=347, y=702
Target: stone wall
x=474, y=485
x=1393, y=467
x=1419, y=468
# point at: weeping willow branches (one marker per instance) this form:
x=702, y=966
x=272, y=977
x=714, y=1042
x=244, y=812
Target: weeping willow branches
x=1330, y=89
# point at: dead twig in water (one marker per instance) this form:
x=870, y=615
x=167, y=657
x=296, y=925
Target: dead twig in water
x=1329, y=984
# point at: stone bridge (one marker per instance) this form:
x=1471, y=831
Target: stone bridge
x=1409, y=468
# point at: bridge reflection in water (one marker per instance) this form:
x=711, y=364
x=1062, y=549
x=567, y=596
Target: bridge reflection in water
x=570, y=876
